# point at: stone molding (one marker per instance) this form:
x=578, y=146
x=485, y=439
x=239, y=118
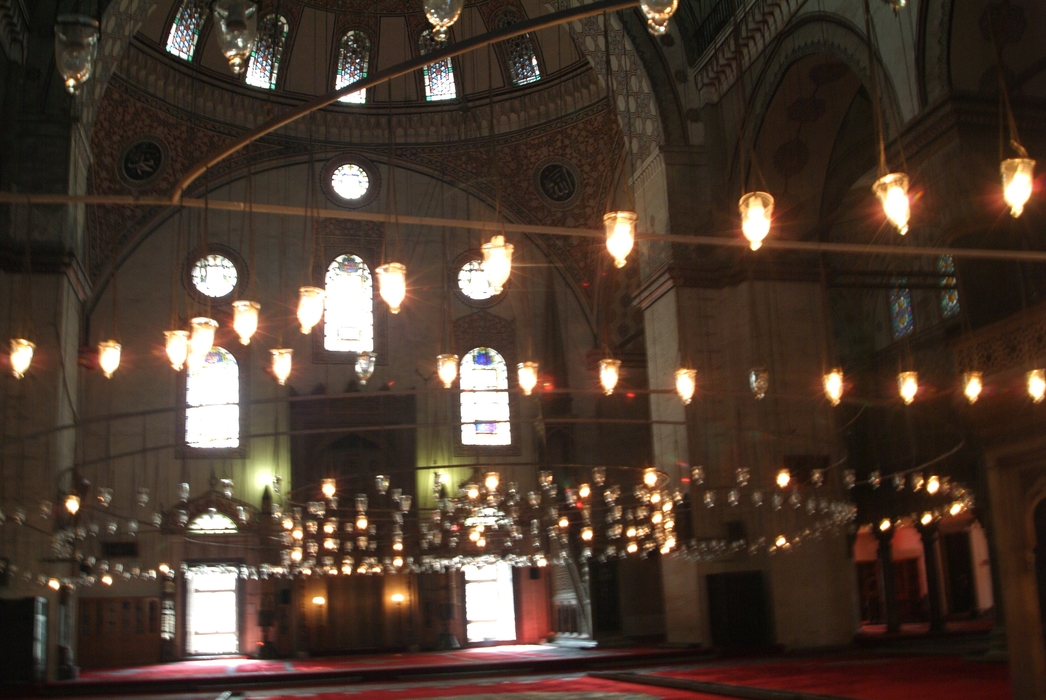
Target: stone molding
x=1015, y=343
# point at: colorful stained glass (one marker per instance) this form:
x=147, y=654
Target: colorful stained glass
x=214, y=275
x=353, y=62
x=902, y=320
x=268, y=50
x=949, y=297
x=519, y=51
x=484, y=399
x=350, y=181
x=185, y=31
x=348, y=315
x=473, y=281
x=439, y=76
x=212, y=399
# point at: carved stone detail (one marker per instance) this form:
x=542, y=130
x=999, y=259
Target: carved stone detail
x=1018, y=342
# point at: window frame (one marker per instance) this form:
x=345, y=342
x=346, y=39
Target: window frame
x=508, y=400
x=200, y=37
x=372, y=51
x=459, y=262
x=349, y=158
x=369, y=251
x=283, y=57
x=225, y=338
x=242, y=273
x=501, y=48
x=453, y=71
x=901, y=287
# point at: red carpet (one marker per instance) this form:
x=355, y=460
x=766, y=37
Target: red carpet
x=875, y=678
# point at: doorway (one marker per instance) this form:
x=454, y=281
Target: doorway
x=490, y=610
x=738, y=612
x=211, y=612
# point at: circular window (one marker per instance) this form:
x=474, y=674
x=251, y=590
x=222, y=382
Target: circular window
x=473, y=282
x=214, y=275
x=350, y=181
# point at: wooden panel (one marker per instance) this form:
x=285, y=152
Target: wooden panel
x=118, y=632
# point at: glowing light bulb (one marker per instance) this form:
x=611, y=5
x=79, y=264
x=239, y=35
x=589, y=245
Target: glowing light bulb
x=365, y=366
x=608, y=374
x=447, y=369
x=620, y=228
x=657, y=13
x=784, y=477
x=392, y=284
x=1037, y=385
x=177, y=347
x=632, y=547
x=908, y=386
x=329, y=488
x=584, y=491
x=1018, y=174
x=833, y=386
x=497, y=262
x=361, y=522
x=927, y=518
x=956, y=508
x=202, y=340
x=473, y=492
x=586, y=533
x=310, y=307
x=297, y=533
x=22, y=356
x=491, y=481
x=564, y=523
x=686, y=384
x=107, y=579
x=892, y=191
x=54, y=584
x=781, y=541
x=72, y=503
x=631, y=531
x=885, y=524
x=281, y=364
x=933, y=485
x=650, y=477
x=245, y=319
x=528, y=376
x=318, y=600
x=398, y=561
x=756, y=209
x=657, y=517
x=972, y=384
x=109, y=357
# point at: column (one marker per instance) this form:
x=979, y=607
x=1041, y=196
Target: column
x=930, y=536
x=889, y=583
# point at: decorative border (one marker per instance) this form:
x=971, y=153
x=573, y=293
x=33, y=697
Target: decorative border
x=165, y=153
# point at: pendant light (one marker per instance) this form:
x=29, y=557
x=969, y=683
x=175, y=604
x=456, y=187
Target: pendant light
x=756, y=209
x=392, y=284
x=657, y=13
x=442, y=14
x=759, y=381
x=686, y=384
x=972, y=384
x=528, y=376
x=177, y=347
x=1018, y=174
x=202, y=339
x=365, y=366
x=21, y=356
x=109, y=357
x=908, y=386
x=75, y=48
x=310, y=307
x=237, y=22
x=620, y=228
x=608, y=374
x=497, y=262
x=833, y=386
x=281, y=364
x=245, y=319
x=447, y=369
x=892, y=191
x=1037, y=384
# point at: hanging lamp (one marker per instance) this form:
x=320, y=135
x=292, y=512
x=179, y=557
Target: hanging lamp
x=1018, y=175
x=686, y=384
x=447, y=369
x=497, y=262
x=833, y=386
x=620, y=228
x=392, y=284
x=177, y=348
x=310, y=307
x=657, y=13
x=202, y=339
x=109, y=357
x=756, y=209
x=237, y=31
x=759, y=381
x=892, y=191
x=908, y=386
x=442, y=14
x=609, y=370
x=527, y=372
x=365, y=366
x=1037, y=384
x=972, y=385
x=21, y=356
x=281, y=364
x=245, y=319
x=76, y=49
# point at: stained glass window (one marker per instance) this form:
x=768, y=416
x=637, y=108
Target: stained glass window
x=902, y=320
x=268, y=50
x=484, y=399
x=350, y=181
x=949, y=296
x=348, y=316
x=439, y=76
x=473, y=282
x=212, y=398
x=353, y=62
x=186, y=29
x=519, y=51
x=214, y=275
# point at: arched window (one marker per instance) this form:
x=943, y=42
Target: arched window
x=212, y=400
x=353, y=63
x=484, y=399
x=268, y=50
x=902, y=320
x=185, y=31
x=348, y=315
x=519, y=51
x=439, y=76
x=949, y=295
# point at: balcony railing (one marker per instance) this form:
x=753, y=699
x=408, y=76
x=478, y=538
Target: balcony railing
x=1016, y=342
x=713, y=23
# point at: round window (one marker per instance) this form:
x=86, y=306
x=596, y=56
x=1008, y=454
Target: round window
x=473, y=282
x=350, y=181
x=214, y=276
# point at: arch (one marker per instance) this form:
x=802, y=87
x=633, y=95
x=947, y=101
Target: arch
x=348, y=311
x=264, y=66
x=484, y=399
x=519, y=55
x=439, y=76
x=212, y=402
x=353, y=64
x=185, y=30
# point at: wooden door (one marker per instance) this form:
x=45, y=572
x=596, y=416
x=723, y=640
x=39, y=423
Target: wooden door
x=118, y=632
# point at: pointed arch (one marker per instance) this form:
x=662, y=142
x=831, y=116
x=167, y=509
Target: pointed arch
x=438, y=76
x=185, y=30
x=484, y=398
x=348, y=313
x=264, y=64
x=353, y=64
x=518, y=52
x=212, y=402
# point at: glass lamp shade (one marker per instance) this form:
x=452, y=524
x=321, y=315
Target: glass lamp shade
x=759, y=381
x=177, y=347
x=202, y=339
x=620, y=227
x=21, y=356
x=75, y=49
x=392, y=284
x=329, y=488
x=72, y=504
x=1017, y=177
x=1037, y=384
x=237, y=31
x=528, y=376
x=281, y=364
x=109, y=357
x=608, y=374
x=892, y=191
x=442, y=14
x=245, y=319
x=447, y=369
x=833, y=386
x=972, y=384
x=908, y=386
x=365, y=366
x=756, y=209
x=657, y=13
x=491, y=481
x=381, y=483
x=497, y=262
x=686, y=384
x=310, y=307
x=650, y=477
